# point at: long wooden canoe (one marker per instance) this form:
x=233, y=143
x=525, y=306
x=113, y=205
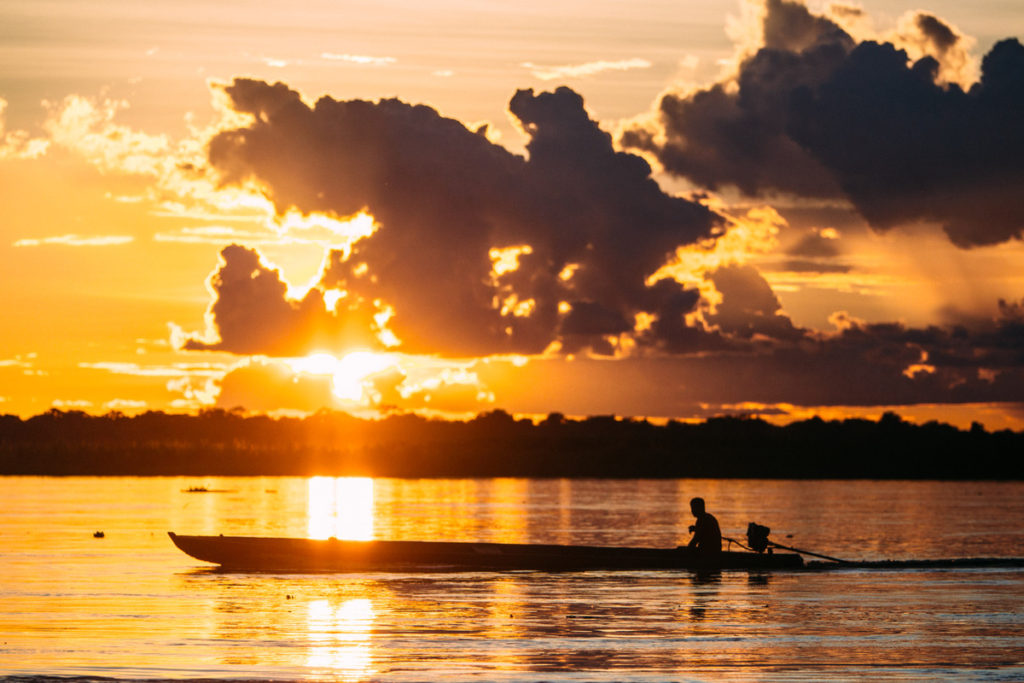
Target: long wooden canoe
x=253, y=553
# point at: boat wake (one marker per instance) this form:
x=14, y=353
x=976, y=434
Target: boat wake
x=952, y=563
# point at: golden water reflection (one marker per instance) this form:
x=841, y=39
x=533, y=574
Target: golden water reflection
x=73, y=605
x=339, y=637
x=341, y=507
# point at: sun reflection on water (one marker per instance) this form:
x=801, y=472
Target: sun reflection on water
x=340, y=637
x=341, y=507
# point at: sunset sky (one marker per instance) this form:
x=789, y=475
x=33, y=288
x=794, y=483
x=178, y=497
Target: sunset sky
x=651, y=209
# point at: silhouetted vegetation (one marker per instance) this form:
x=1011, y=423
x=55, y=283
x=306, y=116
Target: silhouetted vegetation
x=219, y=442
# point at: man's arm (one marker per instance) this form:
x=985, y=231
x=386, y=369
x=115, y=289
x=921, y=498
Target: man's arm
x=695, y=530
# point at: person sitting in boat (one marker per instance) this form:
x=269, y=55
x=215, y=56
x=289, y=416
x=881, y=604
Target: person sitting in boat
x=707, y=536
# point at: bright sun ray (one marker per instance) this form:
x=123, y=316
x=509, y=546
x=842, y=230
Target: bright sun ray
x=348, y=373
x=354, y=369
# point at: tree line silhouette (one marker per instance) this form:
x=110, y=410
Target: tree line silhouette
x=222, y=442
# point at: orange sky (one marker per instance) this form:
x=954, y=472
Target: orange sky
x=712, y=215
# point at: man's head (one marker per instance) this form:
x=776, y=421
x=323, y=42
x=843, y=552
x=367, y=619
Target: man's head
x=697, y=506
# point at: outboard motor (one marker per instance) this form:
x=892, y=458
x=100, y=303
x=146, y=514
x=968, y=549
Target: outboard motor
x=757, y=537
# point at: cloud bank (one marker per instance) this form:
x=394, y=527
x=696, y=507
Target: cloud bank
x=884, y=124
x=254, y=315
x=478, y=251
x=587, y=225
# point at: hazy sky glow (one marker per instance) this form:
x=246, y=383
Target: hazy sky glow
x=670, y=210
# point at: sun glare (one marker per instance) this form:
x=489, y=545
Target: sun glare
x=341, y=507
x=315, y=364
x=348, y=373
x=352, y=371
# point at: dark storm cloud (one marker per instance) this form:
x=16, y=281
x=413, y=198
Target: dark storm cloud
x=890, y=363
x=444, y=196
x=749, y=307
x=813, y=266
x=815, y=253
x=720, y=136
x=1011, y=312
x=864, y=365
x=669, y=332
x=920, y=365
x=588, y=321
x=790, y=27
x=254, y=315
x=815, y=114
x=937, y=32
x=905, y=149
x=814, y=245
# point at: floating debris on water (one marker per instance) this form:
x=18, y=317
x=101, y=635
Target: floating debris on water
x=98, y=534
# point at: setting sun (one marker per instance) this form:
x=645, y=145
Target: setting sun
x=425, y=331
x=348, y=373
x=340, y=196
x=353, y=370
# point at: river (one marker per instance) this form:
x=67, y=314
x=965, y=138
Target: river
x=129, y=605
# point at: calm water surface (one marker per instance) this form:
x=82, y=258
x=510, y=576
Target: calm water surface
x=130, y=605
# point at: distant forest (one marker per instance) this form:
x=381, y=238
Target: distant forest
x=219, y=442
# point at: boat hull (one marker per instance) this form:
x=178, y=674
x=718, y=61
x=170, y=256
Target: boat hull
x=253, y=553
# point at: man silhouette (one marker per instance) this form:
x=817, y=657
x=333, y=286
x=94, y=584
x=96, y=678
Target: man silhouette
x=707, y=536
